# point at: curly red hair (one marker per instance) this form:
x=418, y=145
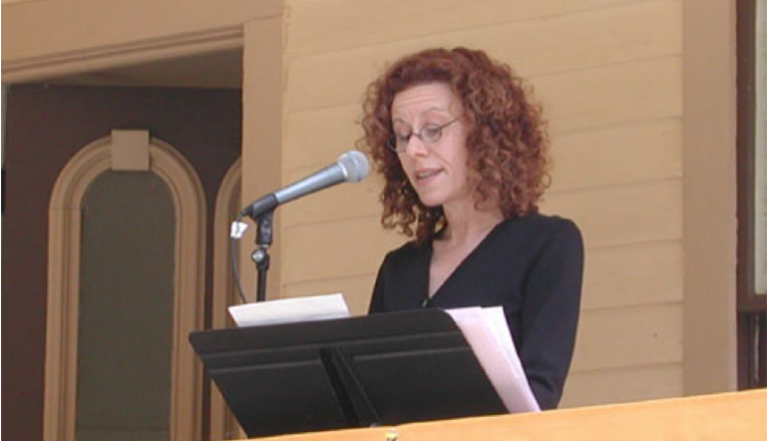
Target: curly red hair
x=506, y=140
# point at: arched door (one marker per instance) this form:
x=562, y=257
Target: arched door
x=46, y=128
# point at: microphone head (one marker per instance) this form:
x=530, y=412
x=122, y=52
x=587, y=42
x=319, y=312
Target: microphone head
x=355, y=166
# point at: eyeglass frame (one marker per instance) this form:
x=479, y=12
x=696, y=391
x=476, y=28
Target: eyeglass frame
x=392, y=144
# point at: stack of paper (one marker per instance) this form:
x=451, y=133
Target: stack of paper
x=298, y=309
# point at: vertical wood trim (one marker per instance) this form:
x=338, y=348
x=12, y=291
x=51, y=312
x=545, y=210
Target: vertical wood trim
x=64, y=285
x=262, y=137
x=222, y=422
x=227, y=199
x=64, y=222
x=189, y=283
x=709, y=196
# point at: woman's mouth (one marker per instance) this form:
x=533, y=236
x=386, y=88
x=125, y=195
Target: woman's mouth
x=425, y=175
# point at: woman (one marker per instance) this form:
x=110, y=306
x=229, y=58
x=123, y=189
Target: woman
x=463, y=154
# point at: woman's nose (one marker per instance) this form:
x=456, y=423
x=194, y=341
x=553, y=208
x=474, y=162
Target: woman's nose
x=416, y=146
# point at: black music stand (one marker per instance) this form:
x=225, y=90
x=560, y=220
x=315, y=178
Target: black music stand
x=382, y=369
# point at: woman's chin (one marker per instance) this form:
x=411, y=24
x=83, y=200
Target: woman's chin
x=431, y=201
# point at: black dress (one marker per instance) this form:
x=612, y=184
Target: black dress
x=531, y=265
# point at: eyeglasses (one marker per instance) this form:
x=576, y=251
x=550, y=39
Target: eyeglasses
x=429, y=133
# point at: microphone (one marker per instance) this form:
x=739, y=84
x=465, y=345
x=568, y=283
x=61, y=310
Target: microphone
x=351, y=166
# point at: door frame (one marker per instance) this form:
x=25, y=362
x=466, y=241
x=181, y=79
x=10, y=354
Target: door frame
x=64, y=234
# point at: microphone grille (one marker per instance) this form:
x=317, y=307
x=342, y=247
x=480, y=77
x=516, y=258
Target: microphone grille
x=355, y=166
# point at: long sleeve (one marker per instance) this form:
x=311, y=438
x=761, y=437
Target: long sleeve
x=377, y=299
x=550, y=314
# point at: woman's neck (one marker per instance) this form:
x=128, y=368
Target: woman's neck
x=467, y=224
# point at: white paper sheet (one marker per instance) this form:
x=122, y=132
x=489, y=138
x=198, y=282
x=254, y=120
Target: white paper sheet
x=297, y=309
x=487, y=333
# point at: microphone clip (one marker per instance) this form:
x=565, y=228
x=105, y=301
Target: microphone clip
x=265, y=229
x=260, y=256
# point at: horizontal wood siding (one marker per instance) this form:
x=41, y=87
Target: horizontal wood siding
x=608, y=73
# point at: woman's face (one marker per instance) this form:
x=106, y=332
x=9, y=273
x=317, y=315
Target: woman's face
x=437, y=170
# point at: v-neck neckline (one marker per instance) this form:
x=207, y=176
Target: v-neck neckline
x=459, y=268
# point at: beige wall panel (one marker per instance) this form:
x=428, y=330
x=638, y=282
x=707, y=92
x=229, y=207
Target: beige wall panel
x=331, y=25
x=559, y=44
x=623, y=154
x=314, y=138
x=622, y=385
x=633, y=275
x=578, y=41
x=75, y=25
x=625, y=214
x=611, y=216
x=625, y=337
x=329, y=250
x=612, y=95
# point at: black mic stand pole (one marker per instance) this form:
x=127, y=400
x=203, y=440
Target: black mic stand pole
x=260, y=255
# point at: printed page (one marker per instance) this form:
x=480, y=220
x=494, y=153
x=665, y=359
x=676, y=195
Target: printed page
x=487, y=333
x=298, y=309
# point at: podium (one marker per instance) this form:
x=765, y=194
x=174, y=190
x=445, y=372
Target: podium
x=721, y=417
x=383, y=369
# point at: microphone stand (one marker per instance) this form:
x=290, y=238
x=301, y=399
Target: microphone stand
x=260, y=255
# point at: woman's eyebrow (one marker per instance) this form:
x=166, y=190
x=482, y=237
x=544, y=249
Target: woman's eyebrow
x=423, y=112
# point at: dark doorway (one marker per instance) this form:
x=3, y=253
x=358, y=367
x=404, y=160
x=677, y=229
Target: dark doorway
x=45, y=126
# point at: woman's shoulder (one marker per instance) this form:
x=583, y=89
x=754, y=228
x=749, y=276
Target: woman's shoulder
x=544, y=224
x=537, y=231
x=406, y=254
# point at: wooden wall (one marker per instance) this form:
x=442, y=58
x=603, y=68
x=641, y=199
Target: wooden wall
x=609, y=73
x=640, y=95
